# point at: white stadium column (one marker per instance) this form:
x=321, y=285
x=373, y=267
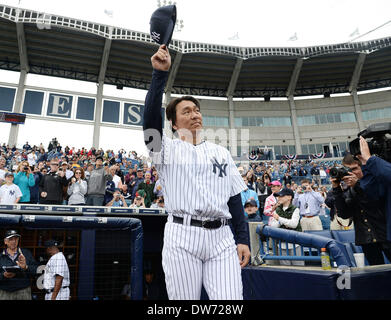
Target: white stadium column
x=353, y=89
x=292, y=106
x=231, y=88
x=99, y=94
x=296, y=134
x=24, y=69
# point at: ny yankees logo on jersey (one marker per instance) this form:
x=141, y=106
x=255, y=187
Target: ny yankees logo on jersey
x=11, y=192
x=221, y=166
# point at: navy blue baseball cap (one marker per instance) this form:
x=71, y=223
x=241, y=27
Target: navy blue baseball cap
x=285, y=192
x=251, y=203
x=162, y=24
x=51, y=243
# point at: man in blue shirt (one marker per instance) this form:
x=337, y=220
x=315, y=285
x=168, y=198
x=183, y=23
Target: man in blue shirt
x=309, y=202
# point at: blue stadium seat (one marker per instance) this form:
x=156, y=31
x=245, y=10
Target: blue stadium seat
x=323, y=233
x=345, y=236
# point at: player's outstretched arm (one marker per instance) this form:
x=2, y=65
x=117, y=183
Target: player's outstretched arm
x=161, y=63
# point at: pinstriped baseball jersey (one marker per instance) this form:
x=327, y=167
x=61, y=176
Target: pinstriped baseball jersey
x=197, y=179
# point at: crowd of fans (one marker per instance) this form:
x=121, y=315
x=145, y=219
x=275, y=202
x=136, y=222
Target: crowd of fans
x=70, y=176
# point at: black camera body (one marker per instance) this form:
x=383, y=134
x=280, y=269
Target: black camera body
x=380, y=145
x=339, y=173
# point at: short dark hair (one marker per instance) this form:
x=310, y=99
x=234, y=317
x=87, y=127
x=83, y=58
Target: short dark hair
x=349, y=159
x=171, y=108
x=304, y=181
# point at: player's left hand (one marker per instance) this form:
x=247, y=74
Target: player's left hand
x=244, y=254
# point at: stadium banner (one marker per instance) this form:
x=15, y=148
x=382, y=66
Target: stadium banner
x=73, y=106
x=59, y=105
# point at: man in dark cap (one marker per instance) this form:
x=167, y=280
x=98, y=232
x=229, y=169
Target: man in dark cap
x=56, y=278
x=18, y=266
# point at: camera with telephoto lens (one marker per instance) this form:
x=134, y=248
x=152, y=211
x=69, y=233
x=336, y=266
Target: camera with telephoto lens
x=339, y=173
x=379, y=145
x=25, y=168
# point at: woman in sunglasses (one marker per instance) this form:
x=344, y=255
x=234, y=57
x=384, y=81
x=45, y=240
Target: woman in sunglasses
x=77, y=188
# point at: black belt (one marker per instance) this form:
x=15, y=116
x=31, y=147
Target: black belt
x=51, y=290
x=207, y=224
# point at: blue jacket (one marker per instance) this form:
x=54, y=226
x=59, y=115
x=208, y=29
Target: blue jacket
x=376, y=183
x=24, y=183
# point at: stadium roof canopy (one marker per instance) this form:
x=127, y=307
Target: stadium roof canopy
x=53, y=45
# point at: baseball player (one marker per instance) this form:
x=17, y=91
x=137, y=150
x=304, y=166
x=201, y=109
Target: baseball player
x=201, y=188
x=56, y=278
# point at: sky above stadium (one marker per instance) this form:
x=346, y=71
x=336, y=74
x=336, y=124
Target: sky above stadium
x=247, y=23
x=239, y=23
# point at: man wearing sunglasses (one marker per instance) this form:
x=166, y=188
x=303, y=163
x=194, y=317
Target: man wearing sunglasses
x=51, y=185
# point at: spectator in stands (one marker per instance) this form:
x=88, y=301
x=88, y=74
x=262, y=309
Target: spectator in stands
x=16, y=286
x=125, y=193
x=26, y=146
x=10, y=193
x=66, y=168
x=336, y=223
x=51, y=185
x=322, y=175
x=116, y=179
x=251, y=179
x=31, y=158
x=250, y=210
x=158, y=190
x=87, y=172
x=309, y=202
x=263, y=190
x=286, y=216
x=109, y=192
x=77, y=188
x=271, y=201
x=138, y=202
x=368, y=214
x=315, y=173
x=42, y=156
x=97, y=183
x=24, y=179
x=248, y=193
x=139, y=179
x=34, y=190
x=148, y=186
x=287, y=178
x=118, y=200
x=3, y=169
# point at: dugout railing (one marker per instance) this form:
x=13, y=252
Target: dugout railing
x=113, y=237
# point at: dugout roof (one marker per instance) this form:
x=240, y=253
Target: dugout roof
x=53, y=45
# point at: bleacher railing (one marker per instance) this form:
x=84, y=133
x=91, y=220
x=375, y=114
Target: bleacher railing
x=306, y=247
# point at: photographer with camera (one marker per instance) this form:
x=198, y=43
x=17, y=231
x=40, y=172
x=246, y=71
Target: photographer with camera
x=309, y=202
x=376, y=179
x=118, y=200
x=351, y=201
x=24, y=179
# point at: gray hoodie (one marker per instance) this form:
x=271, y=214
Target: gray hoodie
x=77, y=191
x=97, y=181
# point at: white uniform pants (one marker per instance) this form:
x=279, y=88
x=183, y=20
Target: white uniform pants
x=194, y=256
